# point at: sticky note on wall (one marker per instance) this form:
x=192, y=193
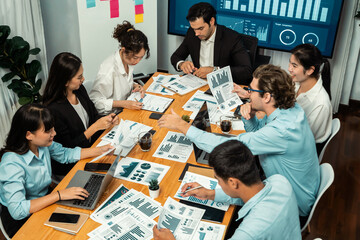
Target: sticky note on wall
x=90, y=3
x=139, y=9
x=139, y=18
x=138, y=2
x=114, y=8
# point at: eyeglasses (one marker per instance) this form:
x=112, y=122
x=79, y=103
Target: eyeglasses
x=252, y=90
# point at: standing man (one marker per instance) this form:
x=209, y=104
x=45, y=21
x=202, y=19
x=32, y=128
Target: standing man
x=211, y=47
x=282, y=139
x=269, y=209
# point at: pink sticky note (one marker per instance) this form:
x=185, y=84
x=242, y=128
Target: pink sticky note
x=139, y=9
x=114, y=8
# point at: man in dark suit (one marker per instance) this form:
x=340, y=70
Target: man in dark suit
x=211, y=47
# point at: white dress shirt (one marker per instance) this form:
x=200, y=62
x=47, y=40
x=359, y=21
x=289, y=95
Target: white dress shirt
x=318, y=110
x=112, y=83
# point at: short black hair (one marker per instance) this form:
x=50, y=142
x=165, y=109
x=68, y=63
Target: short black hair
x=201, y=10
x=234, y=159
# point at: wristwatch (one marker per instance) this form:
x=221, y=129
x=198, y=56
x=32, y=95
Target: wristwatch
x=216, y=68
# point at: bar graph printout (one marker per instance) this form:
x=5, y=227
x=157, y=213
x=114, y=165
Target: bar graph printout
x=210, y=183
x=185, y=84
x=132, y=224
x=221, y=85
x=152, y=102
x=182, y=220
x=175, y=146
x=156, y=87
x=209, y=231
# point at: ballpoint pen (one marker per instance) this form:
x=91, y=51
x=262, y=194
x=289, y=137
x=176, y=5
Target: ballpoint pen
x=188, y=190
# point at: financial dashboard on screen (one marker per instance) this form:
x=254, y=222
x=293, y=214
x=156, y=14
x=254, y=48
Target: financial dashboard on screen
x=278, y=24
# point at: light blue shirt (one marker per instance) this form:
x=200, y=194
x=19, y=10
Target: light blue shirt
x=271, y=214
x=285, y=145
x=26, y=177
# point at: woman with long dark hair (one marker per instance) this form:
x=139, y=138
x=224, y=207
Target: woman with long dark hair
x=77, y=121
x=114, y=81
x=25, y=169
x=311, y=74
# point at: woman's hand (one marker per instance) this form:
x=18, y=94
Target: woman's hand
x=104, y=122
x=73, y=193
x=139, y=88
x=132, y=105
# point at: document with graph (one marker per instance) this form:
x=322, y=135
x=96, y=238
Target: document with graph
x=175, y=146
x=182, y=220
x=185, y=84
x=152, y=102
x=210, y=183
x=221, y=85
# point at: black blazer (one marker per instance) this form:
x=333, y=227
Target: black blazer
x=68, y=125
x=228, y=51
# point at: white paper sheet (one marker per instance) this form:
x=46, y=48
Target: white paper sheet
x=156, y=85
x=221, y=85
x=196, y=101
x=210, y=183
x=209, y=231
x=152, y=102
x=175, y=146
x=185, y=84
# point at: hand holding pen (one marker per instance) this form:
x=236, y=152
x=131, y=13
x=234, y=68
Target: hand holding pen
x=196, y=190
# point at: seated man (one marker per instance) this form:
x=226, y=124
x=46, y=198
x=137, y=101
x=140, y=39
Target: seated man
x=269, y=209
x=211, y=46
x=282, y=139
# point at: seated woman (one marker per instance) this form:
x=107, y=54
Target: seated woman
x=313, y=91
x=114, y=81
x=77, y=121
x=25, y=169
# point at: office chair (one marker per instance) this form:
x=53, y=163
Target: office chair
x=334, y=130
x=2, y=227
x=250, y=43
x=326, y=179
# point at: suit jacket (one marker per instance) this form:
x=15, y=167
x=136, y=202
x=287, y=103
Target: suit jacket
x=68, y=125
x=228, y=51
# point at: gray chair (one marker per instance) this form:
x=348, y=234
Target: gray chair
x=2, y=227
x=326, y=179
x=334, y=130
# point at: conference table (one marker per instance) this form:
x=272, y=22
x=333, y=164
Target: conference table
x=34, y=228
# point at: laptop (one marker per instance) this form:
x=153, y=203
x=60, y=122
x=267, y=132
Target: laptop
x=94, y=183
x=202, y=121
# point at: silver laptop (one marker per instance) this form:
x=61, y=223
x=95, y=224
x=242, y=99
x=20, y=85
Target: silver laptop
x=94, y=183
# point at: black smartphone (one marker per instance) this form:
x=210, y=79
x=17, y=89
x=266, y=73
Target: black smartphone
x=237, y=112
x=152, y=131
x=64, y=217
x=156, y=116
x=97, y=167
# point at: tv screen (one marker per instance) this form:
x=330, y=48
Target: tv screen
x=278, y=24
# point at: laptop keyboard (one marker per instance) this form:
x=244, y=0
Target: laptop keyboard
x=92, y=186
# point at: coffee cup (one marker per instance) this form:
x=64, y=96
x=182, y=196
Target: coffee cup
x=225, y=124
x=145, y=140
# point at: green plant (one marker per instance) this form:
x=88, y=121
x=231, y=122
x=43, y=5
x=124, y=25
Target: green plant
x=14, y=54
x=186, y=118
x=154, y=184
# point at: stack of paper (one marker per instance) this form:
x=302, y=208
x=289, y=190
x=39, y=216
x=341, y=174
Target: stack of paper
x=152, y=102
x=156, y=86
x=185, y=84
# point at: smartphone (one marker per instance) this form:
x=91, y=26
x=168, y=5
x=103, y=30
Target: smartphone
x=156, y=116
x=64, y=217
x=237, y=112
x=97, y=167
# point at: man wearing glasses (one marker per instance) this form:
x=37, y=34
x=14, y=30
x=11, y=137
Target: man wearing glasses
x=282, y=139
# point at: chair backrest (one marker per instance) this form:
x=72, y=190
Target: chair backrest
x=250, y=43
x=334, y=130
x=326, y=179
x=2, y=227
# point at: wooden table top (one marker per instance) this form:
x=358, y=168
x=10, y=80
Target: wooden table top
x=34, y=228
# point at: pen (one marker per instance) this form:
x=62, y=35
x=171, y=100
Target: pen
x=188, y=190
x=136, y=99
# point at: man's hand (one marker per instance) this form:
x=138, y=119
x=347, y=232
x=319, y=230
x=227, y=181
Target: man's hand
x=187, y=67
x=174, y=122
x=240, y=91
x=203, y=71
x=246, y=111
x=201, y=193
x=162, y=234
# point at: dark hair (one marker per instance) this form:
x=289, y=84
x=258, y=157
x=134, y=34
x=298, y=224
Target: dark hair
x=131, y=39
x=29, y=117
x=310, y=56
x=234, y=159
x=63, y=68
x=201, y=10
x=277, y=82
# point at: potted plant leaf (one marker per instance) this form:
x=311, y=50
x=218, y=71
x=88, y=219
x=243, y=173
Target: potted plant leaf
x=14, y=54
x=186, y=118
x=154, y=188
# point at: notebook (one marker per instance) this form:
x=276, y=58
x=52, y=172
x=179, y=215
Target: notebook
x=94, y=183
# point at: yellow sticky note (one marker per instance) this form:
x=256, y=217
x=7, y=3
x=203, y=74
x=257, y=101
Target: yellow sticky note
x=139, y=18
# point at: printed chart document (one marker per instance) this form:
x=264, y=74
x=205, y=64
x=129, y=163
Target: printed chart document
x=131, y=225
x=140, y=171
x=152, y=102
x=185, y=84
x=209, y=231
x=196, y=101
x=221, y=85
x=175, y=146
x=180, y=219
x=210, y=183
x=124, y=136
x=156, y=85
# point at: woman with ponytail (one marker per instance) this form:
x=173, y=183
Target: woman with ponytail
x=312, y=87
x=114, y=81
